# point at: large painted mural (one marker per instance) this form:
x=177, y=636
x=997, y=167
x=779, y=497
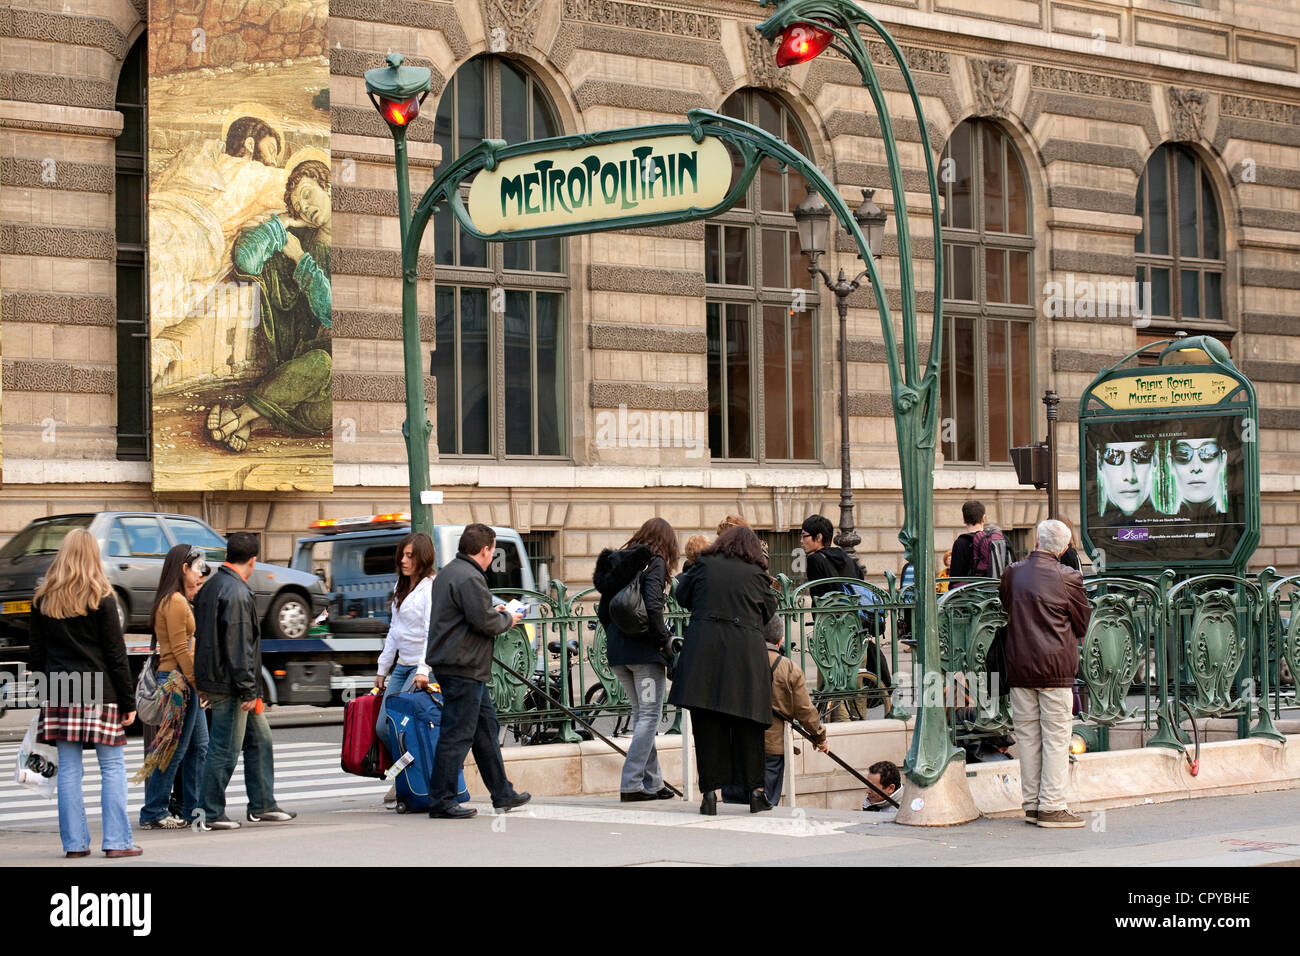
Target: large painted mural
x=239, y=245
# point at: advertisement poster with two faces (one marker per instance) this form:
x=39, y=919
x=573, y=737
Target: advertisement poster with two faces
x=1167, y=491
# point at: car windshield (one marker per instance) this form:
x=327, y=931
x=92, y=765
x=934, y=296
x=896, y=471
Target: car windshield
x=43, y=537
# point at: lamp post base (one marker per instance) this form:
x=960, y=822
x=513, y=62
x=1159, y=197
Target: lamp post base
x=948, y=802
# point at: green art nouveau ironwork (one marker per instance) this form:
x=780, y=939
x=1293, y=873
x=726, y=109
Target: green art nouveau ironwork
x=1287, y=628
x=512, y=647
x=991, y=710
x=1109, y=656
x=836, y=643
x=1213, y=649
x=968, y=619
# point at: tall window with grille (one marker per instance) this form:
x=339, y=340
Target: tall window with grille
x=132, y=275
x=762, y=336
x=500, y=308
x=987, y=384
x=1180, y=248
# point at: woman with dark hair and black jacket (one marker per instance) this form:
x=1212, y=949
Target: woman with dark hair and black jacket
x=724, y=678
x=640, y=661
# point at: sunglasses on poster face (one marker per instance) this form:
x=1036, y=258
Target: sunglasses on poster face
x=1182, y=452
x=1140, y=455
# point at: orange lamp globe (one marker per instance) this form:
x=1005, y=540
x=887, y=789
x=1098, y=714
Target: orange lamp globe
x=400, y=112
x=801, y=42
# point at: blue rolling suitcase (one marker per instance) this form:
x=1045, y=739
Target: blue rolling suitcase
x=413, y=722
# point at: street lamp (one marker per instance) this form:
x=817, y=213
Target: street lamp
x=397, y=92
x=813, y=219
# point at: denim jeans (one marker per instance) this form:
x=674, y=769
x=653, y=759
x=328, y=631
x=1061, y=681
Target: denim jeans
x=469, y=721
x=191, y=752
x=112, y=798
x=399, y=681
x=234, y=730
x=644, y=686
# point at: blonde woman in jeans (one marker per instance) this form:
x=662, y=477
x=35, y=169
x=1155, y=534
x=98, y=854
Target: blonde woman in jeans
x=76, y=644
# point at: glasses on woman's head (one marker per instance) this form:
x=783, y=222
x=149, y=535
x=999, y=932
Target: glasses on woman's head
x=196, y=561
x=1182, y=452
x=1141, y=455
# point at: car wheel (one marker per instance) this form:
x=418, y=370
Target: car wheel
x=290, y=617
x=123, y=615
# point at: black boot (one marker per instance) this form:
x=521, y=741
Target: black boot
x=709, y=805
x=758, y=801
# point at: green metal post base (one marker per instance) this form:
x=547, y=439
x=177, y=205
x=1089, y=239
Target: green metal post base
x=1167, y=734
x=1264, y=727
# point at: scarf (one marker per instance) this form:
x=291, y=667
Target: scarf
x=163, y=746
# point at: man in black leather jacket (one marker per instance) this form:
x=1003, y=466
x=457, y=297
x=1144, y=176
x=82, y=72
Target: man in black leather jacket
x=227, y=663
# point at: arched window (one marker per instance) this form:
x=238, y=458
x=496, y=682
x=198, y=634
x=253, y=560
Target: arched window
x=497, y=299
x=1180, y=248
x=132, y=238
x=762, y=339
x=987, y=388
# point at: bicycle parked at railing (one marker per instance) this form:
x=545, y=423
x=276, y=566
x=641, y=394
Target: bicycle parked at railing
x=542, y=722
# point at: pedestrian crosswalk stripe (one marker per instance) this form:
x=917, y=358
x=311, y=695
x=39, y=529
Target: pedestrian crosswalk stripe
x=304, y=770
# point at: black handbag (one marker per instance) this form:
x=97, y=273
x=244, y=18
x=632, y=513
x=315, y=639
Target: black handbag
x=627, y=609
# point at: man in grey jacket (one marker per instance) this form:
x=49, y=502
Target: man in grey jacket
x=463, y=625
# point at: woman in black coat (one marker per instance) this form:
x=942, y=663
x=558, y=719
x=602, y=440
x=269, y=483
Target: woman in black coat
x=639, y=660
x=723, y=677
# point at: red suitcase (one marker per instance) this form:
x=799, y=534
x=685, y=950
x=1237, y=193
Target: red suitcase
x=363, y=753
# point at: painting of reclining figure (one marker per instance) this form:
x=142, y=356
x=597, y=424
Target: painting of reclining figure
x=239, y=245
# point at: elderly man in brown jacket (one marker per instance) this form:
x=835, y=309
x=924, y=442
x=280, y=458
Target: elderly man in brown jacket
x=1047, y=615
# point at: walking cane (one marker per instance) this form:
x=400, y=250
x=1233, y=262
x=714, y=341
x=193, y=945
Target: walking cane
x=580, y=719
x=809, y=737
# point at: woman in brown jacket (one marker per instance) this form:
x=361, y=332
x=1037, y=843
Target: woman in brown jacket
x=173, y=626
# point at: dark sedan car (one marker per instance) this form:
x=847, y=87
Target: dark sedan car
x=133, y=545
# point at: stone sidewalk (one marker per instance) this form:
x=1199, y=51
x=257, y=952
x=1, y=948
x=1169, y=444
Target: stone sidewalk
x=1241, y=831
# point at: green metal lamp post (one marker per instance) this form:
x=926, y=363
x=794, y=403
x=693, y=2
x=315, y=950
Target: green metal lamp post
x=397, y=92
x=802, y=29
x=813, y=218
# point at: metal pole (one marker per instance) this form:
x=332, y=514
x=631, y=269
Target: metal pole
x=417, y=428
x=847, y=538
x=1051, y=400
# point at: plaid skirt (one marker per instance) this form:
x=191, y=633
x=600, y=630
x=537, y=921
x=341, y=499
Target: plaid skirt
x=87, y=725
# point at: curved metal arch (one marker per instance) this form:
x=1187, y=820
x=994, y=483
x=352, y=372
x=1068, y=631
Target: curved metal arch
x=753, y=144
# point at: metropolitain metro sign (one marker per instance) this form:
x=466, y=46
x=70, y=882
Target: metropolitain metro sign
x=589, y=184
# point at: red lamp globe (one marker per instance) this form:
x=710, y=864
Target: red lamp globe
x=801, y=42
x=399, y=112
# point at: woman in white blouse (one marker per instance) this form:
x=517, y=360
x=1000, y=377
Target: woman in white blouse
x=403, y=654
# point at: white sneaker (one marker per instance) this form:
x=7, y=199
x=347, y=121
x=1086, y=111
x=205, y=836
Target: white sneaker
x=166, y=823
x=391, y=795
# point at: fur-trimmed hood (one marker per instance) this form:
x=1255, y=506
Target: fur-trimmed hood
x=616, y=568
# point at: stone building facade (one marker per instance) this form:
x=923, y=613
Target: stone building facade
x=1080, y=95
